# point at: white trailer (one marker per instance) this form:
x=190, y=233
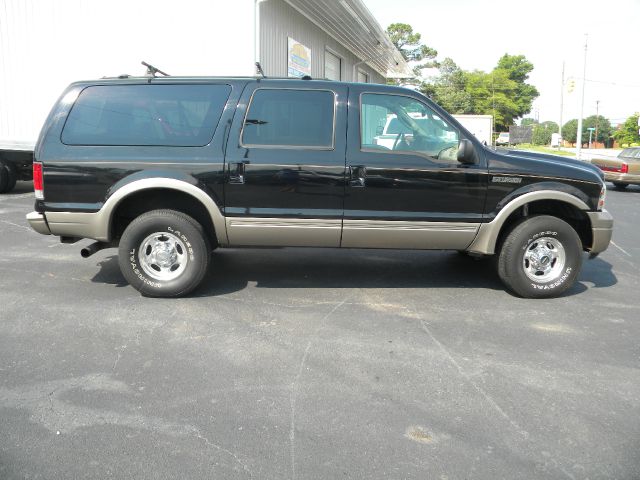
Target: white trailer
x=47, y=44
x=480, y=125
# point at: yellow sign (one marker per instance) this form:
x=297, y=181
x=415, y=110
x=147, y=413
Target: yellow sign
x=299, y=59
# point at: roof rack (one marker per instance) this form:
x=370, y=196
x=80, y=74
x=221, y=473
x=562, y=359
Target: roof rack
x=151, y=70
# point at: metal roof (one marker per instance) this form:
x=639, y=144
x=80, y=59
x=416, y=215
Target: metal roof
x=351, y=23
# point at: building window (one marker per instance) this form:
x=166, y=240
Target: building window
x=332, y=66
x=363, y=77
x=289, y=117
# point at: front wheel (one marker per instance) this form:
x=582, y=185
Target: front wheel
x=164, y=253
x=540, y=257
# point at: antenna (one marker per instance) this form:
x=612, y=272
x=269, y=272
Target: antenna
x=259, y=69
x=151, y=70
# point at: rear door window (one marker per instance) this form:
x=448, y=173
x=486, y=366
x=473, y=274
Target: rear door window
x=290, y=118
x=146, y=115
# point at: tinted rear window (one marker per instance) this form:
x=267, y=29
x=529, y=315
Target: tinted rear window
x=288, y=117
x=146, y=115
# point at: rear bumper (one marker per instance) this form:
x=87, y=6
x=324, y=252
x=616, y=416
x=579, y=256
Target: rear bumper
x=621, y=177
x=70, y=224
x=38, y=223
x=602, y=229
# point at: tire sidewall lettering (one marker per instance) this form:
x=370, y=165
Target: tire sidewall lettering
x=556, y=283
x=548, y=233
x=186, y=241
x=139, y=273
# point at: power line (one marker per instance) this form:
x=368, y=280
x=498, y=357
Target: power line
x=625, y=85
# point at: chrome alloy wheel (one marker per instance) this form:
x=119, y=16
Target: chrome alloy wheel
x=163, y=256
x=544, y=260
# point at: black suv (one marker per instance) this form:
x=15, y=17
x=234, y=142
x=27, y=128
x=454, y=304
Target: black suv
x=168, y=169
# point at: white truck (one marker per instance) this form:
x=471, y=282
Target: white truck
x=480, y=125
x=47, y=44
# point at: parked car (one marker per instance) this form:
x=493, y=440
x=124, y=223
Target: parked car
x=503, y=138
x=622, y=171
x=167, y=169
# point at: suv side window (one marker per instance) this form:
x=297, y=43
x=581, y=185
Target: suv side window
x=146, y=115
x=401, y=124
x=290, y=118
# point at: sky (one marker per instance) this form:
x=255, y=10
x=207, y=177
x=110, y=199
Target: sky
x=475, y=34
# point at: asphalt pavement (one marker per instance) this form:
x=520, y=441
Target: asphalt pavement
x=319, y=364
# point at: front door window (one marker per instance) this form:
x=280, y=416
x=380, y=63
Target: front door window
x=400, y=124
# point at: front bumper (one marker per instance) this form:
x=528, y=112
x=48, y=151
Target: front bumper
x=601, y=229
x=38, y=223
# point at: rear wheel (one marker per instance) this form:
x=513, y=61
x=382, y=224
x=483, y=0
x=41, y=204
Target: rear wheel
x=12, y=175
x=540, y=257
x=620, y=186
x=164, y=253
x=4, y=177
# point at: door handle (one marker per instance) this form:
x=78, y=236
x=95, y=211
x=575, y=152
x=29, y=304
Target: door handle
x=236, y=173
x=357, y=175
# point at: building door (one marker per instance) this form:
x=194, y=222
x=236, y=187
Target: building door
x=332, y=66
x=286, y=166
x=405, y=187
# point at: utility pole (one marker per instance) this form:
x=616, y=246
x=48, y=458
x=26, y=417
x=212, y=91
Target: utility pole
x=597, y=107
x=493, y=89
x=584, y=80
x=561, y=101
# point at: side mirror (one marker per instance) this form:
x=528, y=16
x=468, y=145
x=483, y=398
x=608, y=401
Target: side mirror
x=466, y=153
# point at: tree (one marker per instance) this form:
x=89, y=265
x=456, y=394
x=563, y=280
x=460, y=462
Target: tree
x=411, y=48
x=450, y=89
x=528, y=121
x=570, y=130
x=503, y=92
x=627, y=133
x=604, y=129
x=518, y=68
x=491, y=100
x=542, y=132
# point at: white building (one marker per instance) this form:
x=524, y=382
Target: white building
x=47, y=44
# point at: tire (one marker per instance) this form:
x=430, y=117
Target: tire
x=164, y=253
x=4, y=177
x=12, y=173
x=540, y=257
x=620, y=186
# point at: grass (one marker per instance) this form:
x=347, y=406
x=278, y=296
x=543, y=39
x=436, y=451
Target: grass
x=542, y=149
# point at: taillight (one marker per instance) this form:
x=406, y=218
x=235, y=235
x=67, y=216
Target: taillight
x=38, y=184
x=624, y=168
x=603, y=197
